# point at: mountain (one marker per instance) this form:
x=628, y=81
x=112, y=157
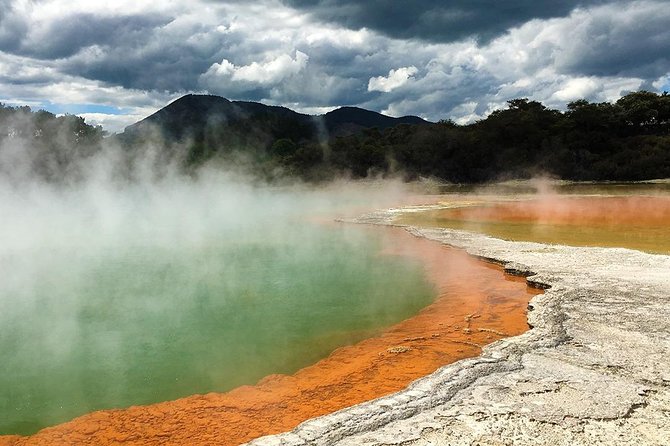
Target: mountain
x=193, y=116
x=348, y=120
x=197, y=116
x=261, y=138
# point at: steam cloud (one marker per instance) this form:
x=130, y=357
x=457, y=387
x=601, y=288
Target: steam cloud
x=94, y=235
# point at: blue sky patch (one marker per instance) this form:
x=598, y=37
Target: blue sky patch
x=78, y=109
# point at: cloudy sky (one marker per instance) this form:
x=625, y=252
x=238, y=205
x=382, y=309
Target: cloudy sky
x=116, y=62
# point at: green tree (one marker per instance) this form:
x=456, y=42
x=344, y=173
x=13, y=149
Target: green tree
x=640, y=108
x=283, y=148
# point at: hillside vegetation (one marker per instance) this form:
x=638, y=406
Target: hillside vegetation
x=625, y=140
x=41, y=144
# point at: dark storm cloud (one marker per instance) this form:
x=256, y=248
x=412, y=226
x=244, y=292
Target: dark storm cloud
x=12, y=27
x=168, y=68
x=66, y=36
x=635, y=42
x=437, y=20
x=166, y=58
x=458, y=59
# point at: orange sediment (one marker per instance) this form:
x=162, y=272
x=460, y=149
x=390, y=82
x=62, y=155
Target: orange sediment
x=635, y=222
x=476, y=305
x=576, y=211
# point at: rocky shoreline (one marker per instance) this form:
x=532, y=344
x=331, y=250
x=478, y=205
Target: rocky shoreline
x=594, y=368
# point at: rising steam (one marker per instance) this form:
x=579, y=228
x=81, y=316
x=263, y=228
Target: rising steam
x=127, y=279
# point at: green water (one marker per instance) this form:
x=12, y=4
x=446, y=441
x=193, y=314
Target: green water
x=92, y=319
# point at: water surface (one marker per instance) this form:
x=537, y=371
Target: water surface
x=476, y=305
x=133, y=299
x=621, y=217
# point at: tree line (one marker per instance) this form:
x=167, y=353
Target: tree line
x=43, y=145
x=625, y=140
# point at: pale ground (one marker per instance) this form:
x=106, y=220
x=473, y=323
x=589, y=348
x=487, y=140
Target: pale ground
x=593, y=370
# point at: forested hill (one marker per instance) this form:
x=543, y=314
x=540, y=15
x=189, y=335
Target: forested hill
x=202, y=116
x=625, y=140
x=214, y=126
x=268, y=140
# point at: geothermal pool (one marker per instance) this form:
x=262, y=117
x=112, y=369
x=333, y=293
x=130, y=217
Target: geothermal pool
x=474, y=304
x=140, y=324
x=111, y=298
x=625, y=220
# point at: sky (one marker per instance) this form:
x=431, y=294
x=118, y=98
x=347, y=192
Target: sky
x=116, y=62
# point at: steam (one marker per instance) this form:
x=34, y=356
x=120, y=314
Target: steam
x=97, y=235
x=107, y=201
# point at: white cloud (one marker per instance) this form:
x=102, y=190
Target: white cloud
x=545, y=60
x=395, y=79
x=48, y=9
x=662, y=83
x=354, y=39
x=578, y=88
x=308, y=110
x=269, y=72
x=113, y=123
x=466, y=112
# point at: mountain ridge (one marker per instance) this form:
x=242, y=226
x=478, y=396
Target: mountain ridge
x=185, y=114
